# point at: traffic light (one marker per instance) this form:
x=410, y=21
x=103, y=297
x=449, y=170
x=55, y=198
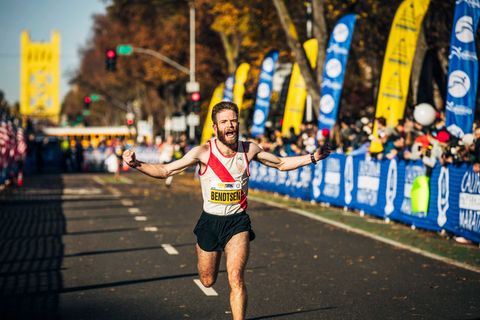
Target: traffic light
x=110, y=60
x=130, y=117
x=195, y=102
x=86, y=102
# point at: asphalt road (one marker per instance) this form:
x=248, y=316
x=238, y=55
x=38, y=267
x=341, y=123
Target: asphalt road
x=88, y=247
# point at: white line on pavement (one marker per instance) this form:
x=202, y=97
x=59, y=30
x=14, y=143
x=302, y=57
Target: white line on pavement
x=141, y=218
x=169, y=248
x=114, y=191
x=369, y=235
x=127, y=202
x=150, y=229
x=133, y=210
x=98, y=180
x=126, y=180
x=207, y=291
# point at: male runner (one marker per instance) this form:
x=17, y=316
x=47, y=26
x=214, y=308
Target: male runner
x=224, y=224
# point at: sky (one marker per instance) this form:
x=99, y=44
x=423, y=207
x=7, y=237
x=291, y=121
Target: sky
x=71, y=18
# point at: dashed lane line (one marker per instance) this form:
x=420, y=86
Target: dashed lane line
x=369, y=235
x=98, y=180
x=133, y=210
x=140, y=218
x=126, y=180
x=114, y=191
x=150, y=229
x=169, y=249
x=207, y=291
x=126, y=202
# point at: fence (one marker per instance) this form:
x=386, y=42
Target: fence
x=387, y=189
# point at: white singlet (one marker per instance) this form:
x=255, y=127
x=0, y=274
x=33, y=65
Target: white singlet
x=224, y=181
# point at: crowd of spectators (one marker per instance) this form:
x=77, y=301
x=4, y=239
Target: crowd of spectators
x=13, y=149
x=408, y=140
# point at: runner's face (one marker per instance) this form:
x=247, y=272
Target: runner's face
x=226, y=127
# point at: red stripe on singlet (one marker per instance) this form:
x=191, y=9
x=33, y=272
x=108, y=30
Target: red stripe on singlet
x=225, y=176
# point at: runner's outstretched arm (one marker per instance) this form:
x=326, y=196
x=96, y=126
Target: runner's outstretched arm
x=288, y=163
x=162, y=171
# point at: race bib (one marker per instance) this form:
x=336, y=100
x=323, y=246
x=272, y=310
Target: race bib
x=225, y=192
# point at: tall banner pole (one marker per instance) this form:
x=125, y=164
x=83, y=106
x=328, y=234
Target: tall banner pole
x=334, y=71
x=397, y=64
x=264, y=93
x=462, y=69
x=297, y=91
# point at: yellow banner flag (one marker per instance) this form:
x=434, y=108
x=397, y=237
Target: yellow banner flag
x=241, y=75
x=217, y=97
x=297, y=91
x=397, y=64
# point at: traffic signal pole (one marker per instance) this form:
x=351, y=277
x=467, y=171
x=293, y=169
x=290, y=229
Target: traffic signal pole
x=192, y=41
x=160, y=56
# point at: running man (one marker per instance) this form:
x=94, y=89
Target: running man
x=224, y=224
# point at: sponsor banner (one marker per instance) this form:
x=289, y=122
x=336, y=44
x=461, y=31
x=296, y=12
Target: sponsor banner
x=207, y=132
x=334, y=70
x=407, y=173
x=333, y=189
x=297, y=91
x=241, y=76
x=367, y=192
x=383, y=188
x=462, y=68
x=463, y=207
x=264, y=92
x=397, y=63
x=294, y=183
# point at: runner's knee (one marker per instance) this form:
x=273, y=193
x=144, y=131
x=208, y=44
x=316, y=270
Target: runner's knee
x=235, y=278
x=208, y=280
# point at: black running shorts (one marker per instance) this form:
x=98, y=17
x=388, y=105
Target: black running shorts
x=213, y=231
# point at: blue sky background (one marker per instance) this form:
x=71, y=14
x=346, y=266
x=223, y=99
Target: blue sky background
x=72, y=18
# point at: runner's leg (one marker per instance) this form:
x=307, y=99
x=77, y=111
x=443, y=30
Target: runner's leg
x=237, y=251
x=208, y=264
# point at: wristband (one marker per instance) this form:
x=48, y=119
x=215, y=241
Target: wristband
x=312, y=158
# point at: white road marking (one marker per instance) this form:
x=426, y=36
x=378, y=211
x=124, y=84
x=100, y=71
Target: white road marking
x=127, y=202
x=150, y=229
x=369, y=235
x=81, y=191
x=133, y=210
x=169, y=248
x=98, y=180
x=141, y=218
x=126, y=180
x=208, y=291
x=114, y=191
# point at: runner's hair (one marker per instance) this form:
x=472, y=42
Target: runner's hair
x=224, y=105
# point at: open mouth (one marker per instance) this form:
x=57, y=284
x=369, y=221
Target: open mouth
x=230, y=134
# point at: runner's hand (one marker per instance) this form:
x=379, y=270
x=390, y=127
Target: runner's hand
x=129, y=158
x=323, y=152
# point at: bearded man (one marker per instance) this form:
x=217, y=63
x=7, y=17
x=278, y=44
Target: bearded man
x=224, y=225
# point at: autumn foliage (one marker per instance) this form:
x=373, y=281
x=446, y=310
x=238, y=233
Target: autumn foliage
x=227, y=33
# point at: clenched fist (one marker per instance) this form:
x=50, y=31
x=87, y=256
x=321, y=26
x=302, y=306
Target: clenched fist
x=129, y=158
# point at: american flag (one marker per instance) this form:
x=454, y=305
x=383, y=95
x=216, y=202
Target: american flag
x=3, y=140
x=21, y=145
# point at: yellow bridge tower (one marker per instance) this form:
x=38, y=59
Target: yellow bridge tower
x=40, y=78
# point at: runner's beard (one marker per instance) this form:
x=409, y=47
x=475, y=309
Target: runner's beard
x=229, y=142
